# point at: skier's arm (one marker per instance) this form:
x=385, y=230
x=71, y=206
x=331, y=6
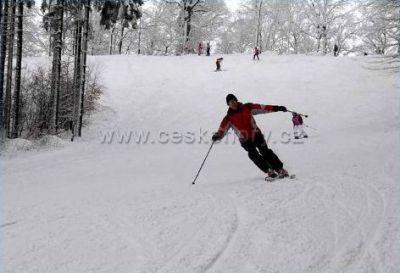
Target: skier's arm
x=261, y=108
x=223, y=128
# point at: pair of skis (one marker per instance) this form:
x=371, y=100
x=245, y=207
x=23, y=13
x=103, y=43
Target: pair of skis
x=272, y=179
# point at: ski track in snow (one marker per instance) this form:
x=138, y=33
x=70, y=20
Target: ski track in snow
x=131, y=208
x=357, y=245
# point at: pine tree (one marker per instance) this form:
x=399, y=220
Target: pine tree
x=53, y=22
x=84, y=57
x=79, y=11
x=3, y=50
x=17, y=91
x=77, y=71
x=10, y=55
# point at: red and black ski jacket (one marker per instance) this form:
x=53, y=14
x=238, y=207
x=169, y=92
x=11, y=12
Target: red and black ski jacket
x=242, y=120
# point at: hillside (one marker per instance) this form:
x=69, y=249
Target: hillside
x=113, y=205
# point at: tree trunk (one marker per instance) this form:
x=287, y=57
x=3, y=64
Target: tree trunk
x=188, y=28
x=59, y=48
x=9, y=68
x=140, y=34
x=50, y=44
x=398, y=34
x=3, y=52
x=1, y=13
x=258, y=40
x=50, y=34
x=324, y=42
x=110, y=51
x=18, y=69
x=84, y=58
x=56, y=71
x=184, y=46
x=120, y=41
x=77, y=77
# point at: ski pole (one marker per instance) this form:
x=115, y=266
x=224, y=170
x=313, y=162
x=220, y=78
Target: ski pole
x=310, y=127
x=203, y=163
x=298, y=113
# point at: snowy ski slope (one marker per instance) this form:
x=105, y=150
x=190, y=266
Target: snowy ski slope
x=127, y=207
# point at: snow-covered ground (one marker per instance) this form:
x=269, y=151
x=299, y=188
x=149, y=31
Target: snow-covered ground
x=98, y=207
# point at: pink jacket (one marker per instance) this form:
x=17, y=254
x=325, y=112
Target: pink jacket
x=297, y=120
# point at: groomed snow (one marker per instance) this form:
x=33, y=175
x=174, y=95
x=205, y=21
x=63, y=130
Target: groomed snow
x=110, y=207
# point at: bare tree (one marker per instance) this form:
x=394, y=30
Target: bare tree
x=323, y=14
x=258, y=40
x=188, y=8
x=380, y=28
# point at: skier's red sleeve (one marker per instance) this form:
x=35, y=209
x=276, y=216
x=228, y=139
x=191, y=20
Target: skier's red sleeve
x=224, y=126
x=260, y=108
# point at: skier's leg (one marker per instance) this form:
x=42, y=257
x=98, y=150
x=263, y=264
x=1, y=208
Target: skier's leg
x=302, y=132
x=267, y=154
x=296, y=131
x=255, y=156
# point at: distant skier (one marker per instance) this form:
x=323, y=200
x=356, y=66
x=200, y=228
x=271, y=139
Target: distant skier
x=298, y=126
x=335, y=50
x=240, y=118
x=218, y=63
x=208, y=48
x=200, y=48
x=256, y=53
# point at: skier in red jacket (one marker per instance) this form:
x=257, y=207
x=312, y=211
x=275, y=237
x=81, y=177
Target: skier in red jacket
x=240, y=118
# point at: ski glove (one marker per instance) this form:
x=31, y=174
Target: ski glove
x=216, y=137
x=280, y=108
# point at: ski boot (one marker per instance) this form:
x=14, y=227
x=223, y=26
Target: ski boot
x=282, y=173
x=271, y=175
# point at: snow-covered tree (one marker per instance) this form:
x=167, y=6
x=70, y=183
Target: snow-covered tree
x=380, y=31
x=188, y=9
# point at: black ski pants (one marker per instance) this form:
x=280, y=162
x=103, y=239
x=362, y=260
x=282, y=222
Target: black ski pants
x=260, y=154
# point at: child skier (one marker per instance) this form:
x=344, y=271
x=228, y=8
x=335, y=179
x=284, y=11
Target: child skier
x=218, y=63
x=298, y=126
x=335, y=50
x=256, y=53
x=240, y=118
x=200, y=48
x=208, y=49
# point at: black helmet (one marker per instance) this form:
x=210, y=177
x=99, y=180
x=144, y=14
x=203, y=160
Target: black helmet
x=230, y=97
